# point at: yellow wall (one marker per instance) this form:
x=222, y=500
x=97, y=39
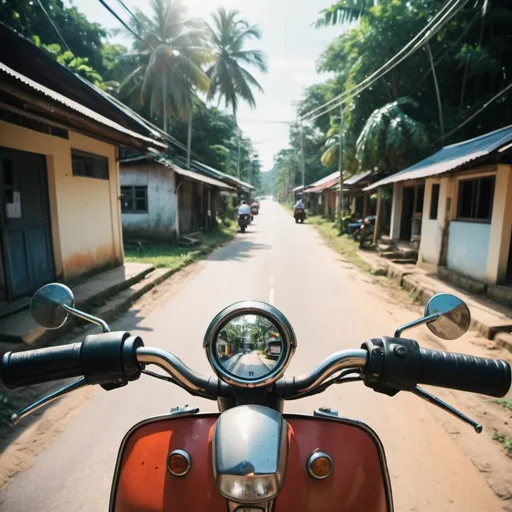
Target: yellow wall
x=85, y=212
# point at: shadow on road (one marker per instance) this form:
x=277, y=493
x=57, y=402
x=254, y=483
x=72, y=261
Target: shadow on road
x=239, y=249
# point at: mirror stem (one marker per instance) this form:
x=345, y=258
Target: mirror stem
x=421, y=321
x=94, y=320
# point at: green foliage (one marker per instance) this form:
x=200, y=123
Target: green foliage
x=505, y=440
x=505, y=402
x=472, y=59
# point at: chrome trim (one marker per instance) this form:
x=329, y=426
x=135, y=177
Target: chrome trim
x=126, y=438
x=378, y=444
x=267, y=506
x=414, y=323
x=257, y=308
x=312, y=458
x=90, y=318
x=183, y=410
x=334, y=363
x=189, y=379
x=17, y=417
x=186, y=456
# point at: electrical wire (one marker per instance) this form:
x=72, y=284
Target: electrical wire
x=378, y=72
x=127, y=27
x=446, y=14
x=127, y=9
x=472, y=116
x=54, y=26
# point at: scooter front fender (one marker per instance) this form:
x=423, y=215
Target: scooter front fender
x=359, y=481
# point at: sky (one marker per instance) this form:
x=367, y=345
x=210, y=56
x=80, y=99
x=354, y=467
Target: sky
x=292, y=47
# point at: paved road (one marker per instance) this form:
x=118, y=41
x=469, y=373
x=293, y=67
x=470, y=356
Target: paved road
x=251, y=366
x=331, y=307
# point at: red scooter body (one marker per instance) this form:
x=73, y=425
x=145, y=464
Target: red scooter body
x=359, y=481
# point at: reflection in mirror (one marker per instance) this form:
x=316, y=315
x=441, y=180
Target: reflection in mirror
x=46, y=305
x=249, y=347
x=455, y=317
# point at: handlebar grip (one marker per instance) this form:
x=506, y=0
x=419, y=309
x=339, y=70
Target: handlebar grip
x=41, y=365
x=464, y=372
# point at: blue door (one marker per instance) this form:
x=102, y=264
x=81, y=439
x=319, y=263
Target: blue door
x=26, y=237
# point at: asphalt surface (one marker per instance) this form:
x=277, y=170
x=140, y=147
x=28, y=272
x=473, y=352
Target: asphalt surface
x=251, y=366
x=331, y=306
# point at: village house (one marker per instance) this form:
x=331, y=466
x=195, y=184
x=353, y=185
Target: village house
x=160, y=200
x=457, y=204
x=59, y=177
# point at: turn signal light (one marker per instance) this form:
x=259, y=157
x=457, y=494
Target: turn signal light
x=319, y=465
x=179, y=462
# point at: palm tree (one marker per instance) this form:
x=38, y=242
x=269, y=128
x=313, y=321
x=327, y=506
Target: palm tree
x=391, y=139
x=229, y=80
x=344, y=11
x=167, y=59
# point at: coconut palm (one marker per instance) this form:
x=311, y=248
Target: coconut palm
x=167, y=61
x=391, y=138
x=229, y=80
x=343, y=11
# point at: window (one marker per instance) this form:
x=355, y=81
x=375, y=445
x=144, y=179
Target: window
x=89, y=165
x=475, y=199
x=134, y=199
x=32, y=124
x=434, y=201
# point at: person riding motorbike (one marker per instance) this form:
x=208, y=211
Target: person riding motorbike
x=244, y=215
x=299, y=212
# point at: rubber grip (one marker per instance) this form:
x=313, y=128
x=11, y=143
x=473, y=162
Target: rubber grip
x=41, y=365
x=464, y=372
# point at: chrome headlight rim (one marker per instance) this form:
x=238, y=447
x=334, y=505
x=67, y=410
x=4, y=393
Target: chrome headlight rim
x=249, y=307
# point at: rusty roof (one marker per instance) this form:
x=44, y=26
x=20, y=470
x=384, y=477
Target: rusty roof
x=451, y=158
x=323, y=186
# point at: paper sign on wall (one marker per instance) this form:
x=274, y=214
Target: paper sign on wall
x=14, y=208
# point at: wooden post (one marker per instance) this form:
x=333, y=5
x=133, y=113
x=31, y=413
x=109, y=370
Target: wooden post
x=378, y=220
x=365, y=205
x=340, y=169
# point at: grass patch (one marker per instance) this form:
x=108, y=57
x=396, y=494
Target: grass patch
x=344, y=244
x=505, y=440
x=415, y=296
x=505, y=402
x=167, y=255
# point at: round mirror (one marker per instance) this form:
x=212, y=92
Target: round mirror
x=249, y=347
x=46, y=305
x=250, y=344
x=455, y=317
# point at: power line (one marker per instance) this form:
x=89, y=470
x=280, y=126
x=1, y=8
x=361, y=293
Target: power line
x=54, y=26
x=431, y=29
x=118, y=18
x=482, y=108
x=126, y=8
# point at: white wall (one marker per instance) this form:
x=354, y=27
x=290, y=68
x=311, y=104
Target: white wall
x=160, y=220
x=468, y=248
x=396, y=211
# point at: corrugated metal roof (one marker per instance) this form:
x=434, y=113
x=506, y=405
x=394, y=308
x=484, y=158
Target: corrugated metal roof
x=223, y=175
x=76, y=106
x=451, y=157
x=354, y=180
x=323, y=186
x=200, y=177
x=160, y=159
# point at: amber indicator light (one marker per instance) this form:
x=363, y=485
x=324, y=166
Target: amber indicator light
x=179, y=462
x=319, y=465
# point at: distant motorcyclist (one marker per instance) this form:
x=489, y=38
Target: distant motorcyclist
x=299, y=211
x=299, y=204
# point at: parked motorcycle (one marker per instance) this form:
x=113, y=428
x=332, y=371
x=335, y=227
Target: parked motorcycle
x=299, y=215
x=366, y=234
x=250, y=457
x=244, y=220
x=355, y=228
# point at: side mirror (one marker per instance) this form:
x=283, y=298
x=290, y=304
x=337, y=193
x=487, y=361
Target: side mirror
x=454, y=316
x=446, y=316
x=48, y=305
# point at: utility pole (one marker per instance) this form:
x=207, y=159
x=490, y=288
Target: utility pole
x=438, y=94
x=189, y=138
x=238, y=163
x=302, y=165
x=340, y=168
